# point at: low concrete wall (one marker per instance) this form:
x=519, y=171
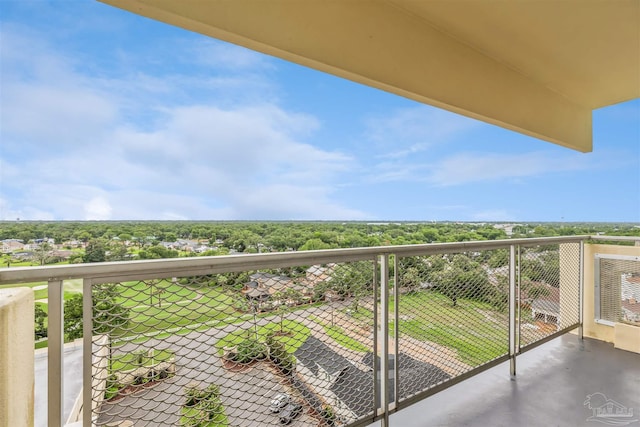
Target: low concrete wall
x=16, y=357
x=76, y=412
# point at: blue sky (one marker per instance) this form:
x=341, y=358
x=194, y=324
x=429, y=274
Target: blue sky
x=108, y=115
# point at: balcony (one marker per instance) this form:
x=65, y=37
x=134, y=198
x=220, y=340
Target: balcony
x=351, y=337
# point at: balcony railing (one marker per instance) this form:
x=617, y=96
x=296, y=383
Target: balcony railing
x=341, y=337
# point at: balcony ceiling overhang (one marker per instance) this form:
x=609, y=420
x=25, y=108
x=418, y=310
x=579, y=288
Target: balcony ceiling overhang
x=535, y=67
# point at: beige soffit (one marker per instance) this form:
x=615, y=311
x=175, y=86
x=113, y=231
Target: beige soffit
x=538, y=67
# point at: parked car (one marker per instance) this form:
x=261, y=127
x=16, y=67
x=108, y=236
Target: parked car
x=290, y=412
x=278, y=402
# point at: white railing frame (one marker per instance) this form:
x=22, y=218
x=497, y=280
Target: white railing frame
x=55, y=345
x=87, y=354
x=150, y=269
x=513, y=325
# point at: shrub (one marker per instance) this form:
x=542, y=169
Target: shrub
x=328, y=415
x=139, y=380
x=279, y=356
x=249, y=350
x=202, y=407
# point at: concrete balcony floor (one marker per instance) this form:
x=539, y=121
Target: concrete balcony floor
x=553, y=382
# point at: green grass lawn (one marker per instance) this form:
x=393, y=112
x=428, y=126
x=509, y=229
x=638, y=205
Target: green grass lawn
x=131, y=361
x=179, y=305
x=198, y=417
x=475, y=330
x=40, y=294
x=24, y=285
x=210, y=305
x=132, y=294
x=70, y=287
x=13, y=262
x=339, y=335
x=298, y=335
x=362, y=315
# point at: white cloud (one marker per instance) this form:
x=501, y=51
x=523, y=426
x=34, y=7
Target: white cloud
x=414, y=130
x=216, y=54
x=467, y=168
x=53, y=116
x=247, y=145
x=288, y=201
x=98, y=208
x=83, y=147
x=396, y=170
x=202, y=163
x=476, y=167
x=9, y=213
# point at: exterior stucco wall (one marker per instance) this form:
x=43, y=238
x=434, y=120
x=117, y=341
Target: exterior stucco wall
x=622, y=335
x=16, y=357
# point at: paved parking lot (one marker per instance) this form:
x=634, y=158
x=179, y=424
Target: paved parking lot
x=245, y=394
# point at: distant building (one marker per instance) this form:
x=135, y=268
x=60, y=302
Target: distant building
x=547, y=307
x=263, y=286
x=318, y=274
x=507, y=228
x=12, y=245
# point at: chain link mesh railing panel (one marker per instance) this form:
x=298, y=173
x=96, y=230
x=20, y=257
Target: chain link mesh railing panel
x=250, y=348
x=255, y=348
x=619, y=284
x=549, y=283
x=453, y=316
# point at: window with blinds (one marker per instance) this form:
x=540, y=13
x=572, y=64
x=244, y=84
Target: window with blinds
x=618, y=288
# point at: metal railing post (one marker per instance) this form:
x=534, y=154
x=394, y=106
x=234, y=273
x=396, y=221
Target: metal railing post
x=376, y=338
x=384, y=344
x=396, y=332
x=87, y=353
x=581, y=292
x=518, y=300
x=512, y=311
x=55, y=344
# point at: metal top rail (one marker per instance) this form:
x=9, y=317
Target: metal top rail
x=228, y=263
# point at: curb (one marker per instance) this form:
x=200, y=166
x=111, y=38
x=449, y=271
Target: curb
x=67, y=348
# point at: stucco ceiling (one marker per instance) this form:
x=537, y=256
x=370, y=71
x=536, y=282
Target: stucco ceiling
x=536, y=67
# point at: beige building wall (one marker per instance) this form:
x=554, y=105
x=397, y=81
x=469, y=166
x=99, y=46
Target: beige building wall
x=623, y=336
x=16, y=357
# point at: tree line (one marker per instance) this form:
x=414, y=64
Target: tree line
x=240, y=236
